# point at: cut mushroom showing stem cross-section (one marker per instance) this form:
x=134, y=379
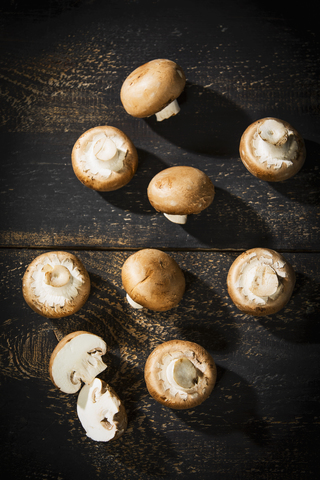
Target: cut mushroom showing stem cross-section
x=260, y=281
x=56, y=284
x=74, y=365
x=104, y=158
x=180, y=374
x=272, y=150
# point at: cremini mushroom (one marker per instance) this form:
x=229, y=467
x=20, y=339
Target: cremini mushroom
x=153, y=89
x=272, y=150
x=104, y=158
x=56, y=284
x=101, y=412
x=152, y=279
x=260, y=281
x=180, y=191
x=77, y=359
x=180, y=374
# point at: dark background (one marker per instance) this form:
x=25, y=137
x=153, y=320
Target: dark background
x=62, y=64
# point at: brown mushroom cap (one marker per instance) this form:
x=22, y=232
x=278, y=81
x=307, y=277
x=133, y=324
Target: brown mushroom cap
x=97, y=180
x=54, y=301
x=264, y=169
x=153, y=279
x=260, y=282
x=180, y=190
x=151, y=87
x=185, y=362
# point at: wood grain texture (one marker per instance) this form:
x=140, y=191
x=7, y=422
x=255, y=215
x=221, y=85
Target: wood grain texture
x=62, y=64
x=62, y=73
x=262, y=411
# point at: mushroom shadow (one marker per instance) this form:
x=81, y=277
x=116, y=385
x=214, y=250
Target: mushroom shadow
x=229, y=222
x=232, y=406
x=153, y=452
x=208, y=123
x=133, y=196
x=304, y=187
x=299, y=321
x=210, y=324
x=42, y=452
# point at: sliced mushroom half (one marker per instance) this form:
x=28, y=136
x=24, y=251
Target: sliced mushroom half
x=260, y=281
x=180, y=374
x=56, y=284
x=77, y=359
x=152, y=279
x=101, y=412
x=180, y=191
x=104, y=158
x=153, y=89
x=272, y=150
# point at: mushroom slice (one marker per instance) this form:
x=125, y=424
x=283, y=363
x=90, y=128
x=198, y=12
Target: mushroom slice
x=77, y=359
x=56, y=284
x=180, y=374
x=260, y=281
x=104, y=158
x=272, y=150
x=152, y=279
x=153, y=89
x=101, y=412
x=180, y=191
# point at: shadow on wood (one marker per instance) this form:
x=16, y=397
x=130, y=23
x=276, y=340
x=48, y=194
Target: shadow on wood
x=208, y=123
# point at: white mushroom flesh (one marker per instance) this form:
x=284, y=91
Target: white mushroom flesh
x=181, y=373
x=104, y=154
x=79, y=360
x=133, y=303
x=56, y=282
x=180, y=219
x=274, y=144
x=56, y=276
x=260, y=278
x=96, y=408
x=168, y=111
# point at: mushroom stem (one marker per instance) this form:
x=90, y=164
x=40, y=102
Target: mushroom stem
x=182, y=373
x=133, y=303
x=57, y=276
x=105, y=149
x=168, y=111
x=262, y=280
x=106, y=154
x=275, y=143
x=181, y=219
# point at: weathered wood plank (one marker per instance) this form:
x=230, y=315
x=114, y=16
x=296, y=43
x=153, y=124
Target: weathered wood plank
x=60, y=77
x=62, y=64
x=44, y=204
x=262, y=411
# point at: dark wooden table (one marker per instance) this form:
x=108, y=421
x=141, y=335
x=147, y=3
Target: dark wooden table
x=62, y=66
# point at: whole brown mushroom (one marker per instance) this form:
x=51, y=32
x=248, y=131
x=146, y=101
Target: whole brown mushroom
x=180, y=191
x=180, y=374
x=260, y=281
x=272, y=150
x=152, y=89
x=56, y=284
x=104, y=158
x=153, y=279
